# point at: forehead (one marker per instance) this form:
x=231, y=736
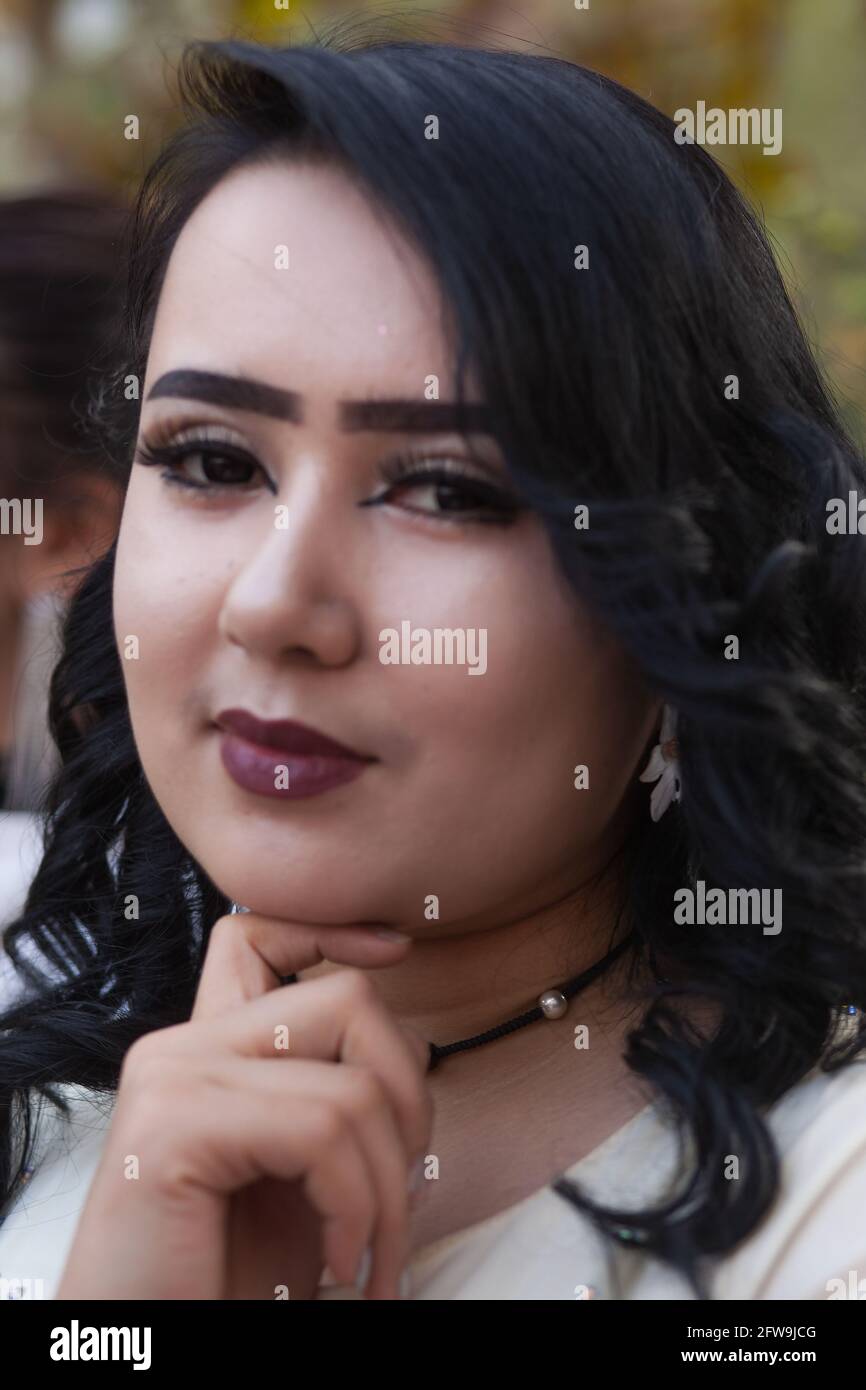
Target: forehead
x=287, y=270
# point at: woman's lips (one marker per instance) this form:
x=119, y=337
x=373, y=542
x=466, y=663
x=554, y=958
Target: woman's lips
x=258, y=769
x=283, y=759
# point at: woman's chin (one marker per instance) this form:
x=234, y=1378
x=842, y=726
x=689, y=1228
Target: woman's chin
x=311, y=906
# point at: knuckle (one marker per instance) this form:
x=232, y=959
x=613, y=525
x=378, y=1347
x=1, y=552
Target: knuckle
x=160, y=1123
x=229, y=923
x=329, y=1125
x=148, y=1050
x=356, y=987
x=367, y=1091
x=226, y=934
x=154, y=1087
x=154, y=1119
x=138, y=1058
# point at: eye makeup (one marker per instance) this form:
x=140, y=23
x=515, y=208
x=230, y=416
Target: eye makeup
x=463, y=488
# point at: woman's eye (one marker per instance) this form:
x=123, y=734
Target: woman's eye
x=440, y=496
x=449, y=494
x=214, y=468
x=442, y=490
x=205, y=467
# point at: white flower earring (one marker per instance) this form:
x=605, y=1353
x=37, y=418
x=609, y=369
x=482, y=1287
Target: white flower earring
x=664, y=766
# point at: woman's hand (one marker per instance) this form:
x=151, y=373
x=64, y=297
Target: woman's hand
x=271, y=1135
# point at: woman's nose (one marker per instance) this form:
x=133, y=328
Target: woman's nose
x=294, y=588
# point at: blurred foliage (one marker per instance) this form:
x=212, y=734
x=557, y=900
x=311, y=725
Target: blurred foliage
x=71, y=70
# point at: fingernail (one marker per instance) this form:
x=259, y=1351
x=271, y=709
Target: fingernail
x=364, y=1267
x=405, y=1284
x=388, y=935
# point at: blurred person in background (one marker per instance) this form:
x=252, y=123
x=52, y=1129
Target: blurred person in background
x=60, y=503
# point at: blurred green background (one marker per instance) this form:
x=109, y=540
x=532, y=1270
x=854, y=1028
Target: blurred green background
x=71, y=70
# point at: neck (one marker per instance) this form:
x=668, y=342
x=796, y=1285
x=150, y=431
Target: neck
x=452, y=986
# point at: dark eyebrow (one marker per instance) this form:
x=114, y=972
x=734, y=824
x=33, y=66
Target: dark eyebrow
x=416, y=416
x=237, y=392
x=244, y=393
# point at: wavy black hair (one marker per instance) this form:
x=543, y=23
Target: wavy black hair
x=669, y=387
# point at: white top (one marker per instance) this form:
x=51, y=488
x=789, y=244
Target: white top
x=21, y=851
x=541, y=1247
x=34, y=758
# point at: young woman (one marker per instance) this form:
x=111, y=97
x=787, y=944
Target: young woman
x=475, y=627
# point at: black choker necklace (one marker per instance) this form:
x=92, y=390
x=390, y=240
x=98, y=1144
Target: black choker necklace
x=553, y=1003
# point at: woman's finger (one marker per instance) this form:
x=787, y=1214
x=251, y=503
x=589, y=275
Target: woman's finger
x=358, y=1094
x=337, y=1018
x=249, y=955
x=203, y=1150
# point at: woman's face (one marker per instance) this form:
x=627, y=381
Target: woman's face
x=270, y=592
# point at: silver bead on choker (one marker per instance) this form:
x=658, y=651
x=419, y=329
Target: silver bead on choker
x=553, y=1003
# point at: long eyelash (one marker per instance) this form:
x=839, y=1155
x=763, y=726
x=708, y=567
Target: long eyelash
x=152, y=455
x=418, y=468
x=496, y=507
x=168, y=456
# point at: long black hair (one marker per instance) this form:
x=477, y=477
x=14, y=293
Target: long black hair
x=658, y=377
